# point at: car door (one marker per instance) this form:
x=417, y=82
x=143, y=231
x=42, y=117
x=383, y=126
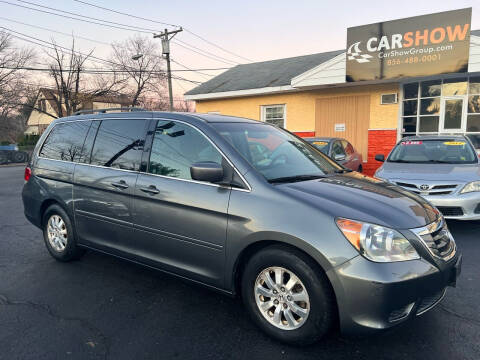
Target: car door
x=104, y=184
x=180, y=224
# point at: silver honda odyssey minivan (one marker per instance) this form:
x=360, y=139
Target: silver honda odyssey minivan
x=305, y=242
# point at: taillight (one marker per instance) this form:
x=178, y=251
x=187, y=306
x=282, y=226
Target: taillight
x=28, y=173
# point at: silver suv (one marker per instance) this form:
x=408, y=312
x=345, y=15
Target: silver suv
x=445, y=170
x=306, y=242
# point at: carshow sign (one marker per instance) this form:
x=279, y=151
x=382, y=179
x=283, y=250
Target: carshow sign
x=418, y=46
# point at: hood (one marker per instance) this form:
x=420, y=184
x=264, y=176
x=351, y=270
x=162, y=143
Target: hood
x=458, y=173
x=359, y=197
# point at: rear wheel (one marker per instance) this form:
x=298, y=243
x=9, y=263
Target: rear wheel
x=59, y=235
x=288, y=296
x=3, y=158
x=20, y=157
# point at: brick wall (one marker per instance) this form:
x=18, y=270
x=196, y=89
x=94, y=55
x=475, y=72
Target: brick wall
x=305, y=133
x=379, y=142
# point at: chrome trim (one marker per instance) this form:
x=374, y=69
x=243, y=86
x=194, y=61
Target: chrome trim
x=140, y=172
x=430, y=228
x=433, y=305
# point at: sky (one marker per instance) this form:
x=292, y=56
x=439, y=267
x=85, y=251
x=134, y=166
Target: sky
x=255, y=30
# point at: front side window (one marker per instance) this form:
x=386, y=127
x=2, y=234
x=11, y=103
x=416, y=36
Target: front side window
x=176, y=147
x=119, y=144
x=274, y=114
x=433, y=151
x=65, y=141
x=337, y=149
x=284, y=156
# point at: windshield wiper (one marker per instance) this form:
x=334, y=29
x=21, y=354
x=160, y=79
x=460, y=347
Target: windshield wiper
x=287, y=179
x=342, y=171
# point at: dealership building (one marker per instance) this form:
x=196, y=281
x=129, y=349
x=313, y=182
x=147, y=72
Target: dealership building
x=405, y=79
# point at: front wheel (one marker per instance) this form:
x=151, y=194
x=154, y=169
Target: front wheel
x=288, y=296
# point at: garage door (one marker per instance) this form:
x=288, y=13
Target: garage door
x=344, y=116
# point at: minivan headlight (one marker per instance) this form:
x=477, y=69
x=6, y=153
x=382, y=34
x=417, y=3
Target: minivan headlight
x=471, y=187
x=377, y=243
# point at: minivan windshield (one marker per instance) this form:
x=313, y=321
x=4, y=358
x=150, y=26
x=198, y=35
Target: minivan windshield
x=441, y=151
x=276, y=154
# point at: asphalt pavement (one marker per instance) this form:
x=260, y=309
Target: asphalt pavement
x=105, y=308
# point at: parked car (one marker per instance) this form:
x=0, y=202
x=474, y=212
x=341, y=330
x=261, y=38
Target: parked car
x=340, y=150
x=445, y=170
x=304, y=241
x=10, y=153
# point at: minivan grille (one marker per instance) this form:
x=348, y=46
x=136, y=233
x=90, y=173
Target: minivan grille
x=443, y=189
x=439, y=241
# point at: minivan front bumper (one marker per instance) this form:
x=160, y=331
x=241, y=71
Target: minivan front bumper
x=373, y=296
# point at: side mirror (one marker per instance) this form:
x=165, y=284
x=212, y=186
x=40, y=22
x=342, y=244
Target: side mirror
x=339, y=157
x=380, y=157
x=208, y=171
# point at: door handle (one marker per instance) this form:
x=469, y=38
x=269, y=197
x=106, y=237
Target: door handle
x=150, y=189
x=120, y=185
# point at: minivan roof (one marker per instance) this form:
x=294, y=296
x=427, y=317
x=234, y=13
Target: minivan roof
x=185, y=116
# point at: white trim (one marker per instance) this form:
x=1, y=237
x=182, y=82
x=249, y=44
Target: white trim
x=239, y=93
x=388, y=103
x=307, y=74
x=264, y=107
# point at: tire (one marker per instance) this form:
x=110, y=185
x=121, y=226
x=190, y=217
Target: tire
x=319, y=309
x=20, y=157
x=62, y=243
x=3, y=158
x=360, y=168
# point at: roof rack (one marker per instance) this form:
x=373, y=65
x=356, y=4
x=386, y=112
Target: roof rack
x=104, y=111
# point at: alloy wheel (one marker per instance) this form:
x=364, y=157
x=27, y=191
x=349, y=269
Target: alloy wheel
x=57, y=233
x=282, y=298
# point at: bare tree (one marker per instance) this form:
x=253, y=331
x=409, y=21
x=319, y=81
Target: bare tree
x=140, y=60
x=73, y=87
x=12, y=85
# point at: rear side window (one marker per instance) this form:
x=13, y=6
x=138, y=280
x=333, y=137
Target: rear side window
x=348, y=147
x=65, y=141
x=119, y=144
x=176, y=147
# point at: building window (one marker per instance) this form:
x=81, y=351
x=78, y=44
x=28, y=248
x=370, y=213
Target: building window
x=274, y=114
x=450, y=105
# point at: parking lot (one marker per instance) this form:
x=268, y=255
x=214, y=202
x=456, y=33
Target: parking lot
x=102, y=307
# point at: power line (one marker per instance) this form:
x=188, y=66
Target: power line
x=68, y=17
x=115, y=25
x=90, y=57
x=88, y=17
x=122, y=13
x=55, y=31
x=92, y=71
x=159, y=22
x=99, y=42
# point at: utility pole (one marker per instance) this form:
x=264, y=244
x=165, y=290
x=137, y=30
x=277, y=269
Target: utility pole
x=166, y=36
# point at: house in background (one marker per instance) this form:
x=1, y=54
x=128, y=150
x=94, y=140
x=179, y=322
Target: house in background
x=46, y=104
